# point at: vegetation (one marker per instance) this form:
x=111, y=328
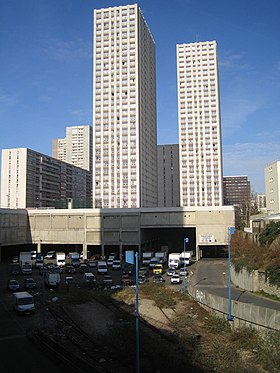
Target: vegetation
x=246, y=253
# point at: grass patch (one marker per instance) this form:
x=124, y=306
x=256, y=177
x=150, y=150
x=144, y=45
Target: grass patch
x=266, y=295
x=215, y=324
x=162, y=296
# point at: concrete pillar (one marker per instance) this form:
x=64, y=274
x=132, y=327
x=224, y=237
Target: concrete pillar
x=85, y=251
x=120, y=251
x=39, y=247
x=103, y=250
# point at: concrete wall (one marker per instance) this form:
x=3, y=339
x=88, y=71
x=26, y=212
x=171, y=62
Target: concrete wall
x=14, y=227
x=253, y=281
x=244, y=313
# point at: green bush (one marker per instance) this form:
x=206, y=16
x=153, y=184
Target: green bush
x=273, y=275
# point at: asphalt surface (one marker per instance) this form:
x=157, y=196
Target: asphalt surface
x=211, y=275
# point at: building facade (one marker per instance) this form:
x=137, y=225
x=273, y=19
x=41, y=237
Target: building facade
x=272, y=187
x=76, y=147
x=32, y=179
x=200, y=147
x=124, y=109
x=237, y=190
x=168, y=175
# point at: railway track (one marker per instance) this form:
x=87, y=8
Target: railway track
x=74, y=348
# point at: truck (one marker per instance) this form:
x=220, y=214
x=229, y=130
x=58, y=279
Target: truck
x=161, y=255
x=52, y=280
x=74, y=259
x=174, y=260
x=23, y=302
x=185, y=257
x=60, y=259
x=25, y=262
x=146, y=258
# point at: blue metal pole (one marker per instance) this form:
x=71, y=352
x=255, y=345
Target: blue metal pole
x=137, y=319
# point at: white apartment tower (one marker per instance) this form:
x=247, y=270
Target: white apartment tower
x=76, y=147
x=272, y=187
x=200, y=147
x=124, y=109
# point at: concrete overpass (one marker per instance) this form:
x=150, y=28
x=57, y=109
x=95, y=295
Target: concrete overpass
x=106, y=230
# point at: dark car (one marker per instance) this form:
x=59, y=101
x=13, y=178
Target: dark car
x=43, y=270
x=83, y=269
x=158, y=279
x=126, y=280
x=29, y=283
x=15, y=270
x=142, y=279
x=70, y=269
x=13, y=285
x=107, y=280
x=57, y=269
x=128, y=269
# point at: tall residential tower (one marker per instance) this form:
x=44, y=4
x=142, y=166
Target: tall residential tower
x=124, y=109
x=200, y=148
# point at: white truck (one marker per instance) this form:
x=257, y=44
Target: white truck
x=25, y=262
x=146, y=258
x=74, y=259
x=161, y=255
x=174, y=260
x=60, y=259
x=185, y=257
x=52, y=280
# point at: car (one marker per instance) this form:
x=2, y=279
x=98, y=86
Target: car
x=143, y=271
x=50, y=266
x=33, y=254
x=57, y=269
x=107, y=280
x=50, y=255
x=116, y=265
x=29, y=283
x=110, y=262
x=142, y=279
x=158, y=269
x=126, y=280
x=83, y=269
x=89, y=278
x=183, y=272
x=158, y=279
x=69, y=280
x=91, y=263
x=15, y=259
x=70, y=269
x=15, y=270
x=128, y=269
x=13, y=285
x=171, y=271
x=175, y=279
x=43, y=270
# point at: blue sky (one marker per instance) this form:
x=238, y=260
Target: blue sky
x=46, y=72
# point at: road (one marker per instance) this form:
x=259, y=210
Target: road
x=211, y=275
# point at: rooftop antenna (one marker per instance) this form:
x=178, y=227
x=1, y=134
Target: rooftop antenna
x=197, y=37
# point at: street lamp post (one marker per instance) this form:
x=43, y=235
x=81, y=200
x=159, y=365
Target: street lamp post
x=186, y=240
x=230, y=232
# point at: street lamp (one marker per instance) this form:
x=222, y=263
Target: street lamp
x=230, y=232
x=186, y=240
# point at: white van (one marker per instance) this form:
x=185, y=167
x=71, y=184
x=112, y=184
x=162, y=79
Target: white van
x=24, y=302
x=102, y=267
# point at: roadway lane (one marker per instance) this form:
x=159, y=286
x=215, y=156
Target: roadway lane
x=211, y=275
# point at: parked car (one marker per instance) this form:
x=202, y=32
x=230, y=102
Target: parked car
x=89, y=278
x=126, y=280
x=83, y=269
x=69, y=280
x=50, y=266
x=142, y=279
x=15, y=259
x=171, y=271
x=158, y=269
x=176, y=279
x=29, y=283
x=43, y=270
x=183, y=272
x=107, y=280
x=158, y=279
x=110, y=262
x=143, y=271
x=15, y=270
x=91, y=263
x=13, y=285
x=116, y=265
x=70, y=269
x=57, y=269
x=50, y=255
